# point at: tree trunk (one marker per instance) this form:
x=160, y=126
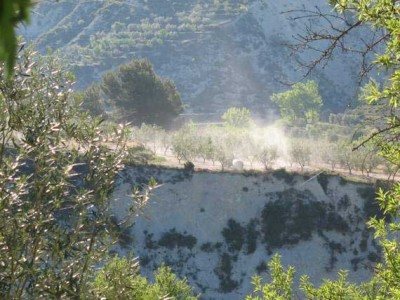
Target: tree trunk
x=349, y=170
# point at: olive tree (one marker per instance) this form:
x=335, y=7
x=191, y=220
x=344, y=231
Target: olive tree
x=267, y=156
x=223, y=156
x=56, y=176
x=329, y=153
x=300, y=153
x=149, y=135
x=347, y=158
x=248, y=147
x=205, y=147
x=183, y=143
x=366, y=159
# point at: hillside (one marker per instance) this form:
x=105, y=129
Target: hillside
x=219, y=56
x=220, y=236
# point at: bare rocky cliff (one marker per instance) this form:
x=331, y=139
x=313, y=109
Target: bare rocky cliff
x=219, y=229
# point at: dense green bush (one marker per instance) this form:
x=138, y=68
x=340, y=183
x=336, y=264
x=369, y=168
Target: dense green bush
x=56, y=176
x=120, y=279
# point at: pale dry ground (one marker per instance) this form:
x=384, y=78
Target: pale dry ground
x=172, y=161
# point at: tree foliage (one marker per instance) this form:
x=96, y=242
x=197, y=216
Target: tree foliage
x=237, y=117
x=381, y=16
x=281, y=285
x=12, y=12
x=120, y=279
x=140, y=96
x=56, y=176
x=300, y=153
x=92, y=101
x=302, y=103
x=183, y=143
x=267, y=156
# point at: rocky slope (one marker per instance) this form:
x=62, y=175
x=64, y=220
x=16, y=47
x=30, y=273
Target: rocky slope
x=217, y=57
x=219, y=229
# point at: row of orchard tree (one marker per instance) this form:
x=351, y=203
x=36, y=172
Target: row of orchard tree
x=238, y=138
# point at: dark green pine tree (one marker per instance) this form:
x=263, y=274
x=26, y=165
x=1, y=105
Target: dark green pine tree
x=140, y=96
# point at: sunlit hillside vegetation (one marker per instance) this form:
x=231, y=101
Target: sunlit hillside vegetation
x=219, y=53
x=121, y=28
